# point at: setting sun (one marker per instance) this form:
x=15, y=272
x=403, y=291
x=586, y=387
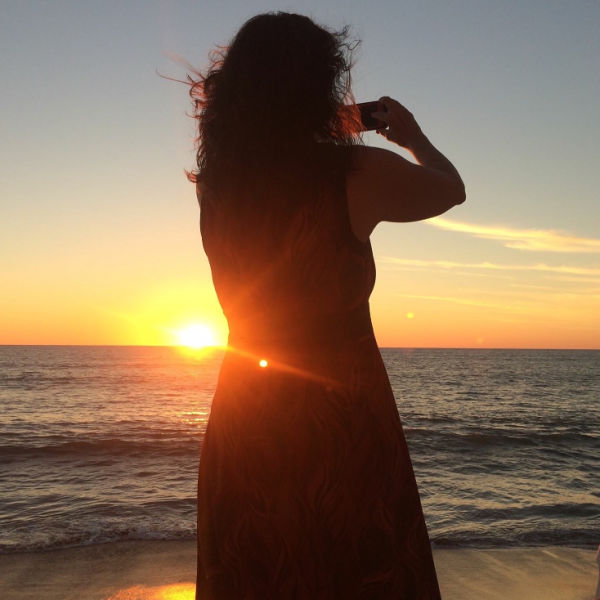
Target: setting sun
x=196, y=336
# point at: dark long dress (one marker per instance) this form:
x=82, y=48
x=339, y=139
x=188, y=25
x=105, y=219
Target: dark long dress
x=306, y=488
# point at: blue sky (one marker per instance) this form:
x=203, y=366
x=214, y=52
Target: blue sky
x=98, y=223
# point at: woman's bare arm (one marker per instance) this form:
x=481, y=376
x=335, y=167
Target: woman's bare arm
x=387, y=187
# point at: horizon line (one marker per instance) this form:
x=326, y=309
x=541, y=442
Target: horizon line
x=224, y=347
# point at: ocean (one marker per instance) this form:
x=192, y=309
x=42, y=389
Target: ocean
x=101, y=443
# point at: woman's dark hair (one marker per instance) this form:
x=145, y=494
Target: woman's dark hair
x=269, y=99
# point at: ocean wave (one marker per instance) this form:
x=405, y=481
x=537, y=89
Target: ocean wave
x=502, y=437
x=186, y=442
x=101, y=536
x=108, y=446
x=499, y=538
x=511, y=538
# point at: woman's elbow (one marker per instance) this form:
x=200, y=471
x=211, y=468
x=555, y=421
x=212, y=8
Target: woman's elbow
x=458, y=194
x=452, y=196
x=451, y=191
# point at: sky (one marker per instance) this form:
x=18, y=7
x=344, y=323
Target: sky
x=99, y=236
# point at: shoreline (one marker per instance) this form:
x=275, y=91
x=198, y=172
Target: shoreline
x=161, y=569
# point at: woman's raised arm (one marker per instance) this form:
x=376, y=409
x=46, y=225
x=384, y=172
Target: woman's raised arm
x=386, y=187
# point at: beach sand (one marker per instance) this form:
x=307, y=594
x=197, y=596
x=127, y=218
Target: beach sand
x=165, y=570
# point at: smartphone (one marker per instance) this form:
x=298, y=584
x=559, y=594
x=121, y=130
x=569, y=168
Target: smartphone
x=369, y=122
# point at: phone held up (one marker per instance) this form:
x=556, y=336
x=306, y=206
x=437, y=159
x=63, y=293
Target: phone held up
x=369, y=122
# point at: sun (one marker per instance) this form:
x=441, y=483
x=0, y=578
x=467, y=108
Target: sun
x=196, y=336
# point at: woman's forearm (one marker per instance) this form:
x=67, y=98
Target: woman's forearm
x=427, y=155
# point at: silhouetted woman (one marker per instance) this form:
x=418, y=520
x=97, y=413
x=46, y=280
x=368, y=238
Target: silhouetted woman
x=306, y=488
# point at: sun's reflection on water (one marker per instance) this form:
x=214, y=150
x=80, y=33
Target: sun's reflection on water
x=175, y=591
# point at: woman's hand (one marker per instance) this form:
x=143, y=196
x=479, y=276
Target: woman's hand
x=402, y=128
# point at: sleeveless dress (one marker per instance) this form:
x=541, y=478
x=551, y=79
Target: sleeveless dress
x=306, y=488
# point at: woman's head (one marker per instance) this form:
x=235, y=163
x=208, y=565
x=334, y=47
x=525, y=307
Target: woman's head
x=274, y=92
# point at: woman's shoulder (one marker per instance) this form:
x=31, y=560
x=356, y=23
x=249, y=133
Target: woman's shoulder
x=384, y=186
x=361, y=161
x=365, y=158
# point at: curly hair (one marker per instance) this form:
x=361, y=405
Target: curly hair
x=269, y=98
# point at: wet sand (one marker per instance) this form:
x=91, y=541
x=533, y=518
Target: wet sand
x=165, y=570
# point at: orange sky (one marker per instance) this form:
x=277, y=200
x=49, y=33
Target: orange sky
x=410, y=308
x=99, y=237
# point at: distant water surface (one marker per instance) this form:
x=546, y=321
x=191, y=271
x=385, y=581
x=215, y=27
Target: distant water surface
x=101, y=443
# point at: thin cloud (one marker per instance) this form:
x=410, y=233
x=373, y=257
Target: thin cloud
x=465, y=301
x=576, y=279
x=450, y=265
x=539, y=240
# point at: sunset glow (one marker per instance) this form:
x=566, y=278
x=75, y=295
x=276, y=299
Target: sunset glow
x=122, y=263
x=175, y=591
x=196, y=336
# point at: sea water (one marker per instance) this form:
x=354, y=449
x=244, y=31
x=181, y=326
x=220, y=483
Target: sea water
x=101, y=443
